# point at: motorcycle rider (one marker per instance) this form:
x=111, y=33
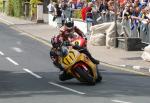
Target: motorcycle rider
x=66, y=32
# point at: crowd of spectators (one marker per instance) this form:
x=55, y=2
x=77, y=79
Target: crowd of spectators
x=136, y=15
x=133, y=13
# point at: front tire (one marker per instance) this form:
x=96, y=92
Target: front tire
x=84, y=75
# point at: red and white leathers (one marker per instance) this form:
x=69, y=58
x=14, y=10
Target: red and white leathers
x=67, y=34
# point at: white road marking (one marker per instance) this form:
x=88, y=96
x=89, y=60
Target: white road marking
x=12, y=61
x=7, y=22
x=17, y=49
x=136, y=67
x=122, y=65
x=66, y=88
x=118, y=101
x=1, y=53
x=23, y=33
x=30, y=72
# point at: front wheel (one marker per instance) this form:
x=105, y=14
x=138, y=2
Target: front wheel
x=85, y=76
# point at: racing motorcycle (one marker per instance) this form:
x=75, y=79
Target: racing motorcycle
x=78, y=64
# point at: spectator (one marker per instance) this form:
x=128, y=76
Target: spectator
x=137, y=12
x=79, y=5
x=136, y=3
x=122, y=2
x=111, y=5
x=72, y=5
x=120, y=11
x=50, y=7
x=83, y=12
x=143, y=5
x=57, y=15
x=50, y=12
x=68, y=11
x=148, y=12
x=125, y=12
x=103, y=6
x=64, y=8
x=144, y=19
x=89, y=10
x=95, y=11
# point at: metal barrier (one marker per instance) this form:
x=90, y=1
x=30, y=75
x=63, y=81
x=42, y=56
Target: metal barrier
x=145, y=33
x=139, y=31
x=105, y=17
x=98, y=18
x=133, y=30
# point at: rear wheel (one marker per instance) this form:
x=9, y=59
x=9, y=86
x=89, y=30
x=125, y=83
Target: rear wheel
x=85, y=76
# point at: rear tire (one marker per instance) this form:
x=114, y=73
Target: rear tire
x=84, y=75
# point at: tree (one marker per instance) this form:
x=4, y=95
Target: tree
x=14, y=8
x=17, y=6
x=1, y=5
x=10, y=10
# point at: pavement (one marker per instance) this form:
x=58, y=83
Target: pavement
x=112, y=56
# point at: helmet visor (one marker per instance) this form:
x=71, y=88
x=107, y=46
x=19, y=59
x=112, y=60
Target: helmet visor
x=70, y=24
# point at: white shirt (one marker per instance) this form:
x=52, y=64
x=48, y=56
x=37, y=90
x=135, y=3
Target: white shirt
x=50, y=7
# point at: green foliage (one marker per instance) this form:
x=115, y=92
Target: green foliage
x=14, y=8
x=35, y=1
x=1, y=5
x=17, y=6
x=77, y=13
x=10, y=10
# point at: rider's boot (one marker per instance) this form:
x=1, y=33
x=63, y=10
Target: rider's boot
x=62, y=75
x=85, y=51
x=58, y=65
x=90, y=56
x=94, y=60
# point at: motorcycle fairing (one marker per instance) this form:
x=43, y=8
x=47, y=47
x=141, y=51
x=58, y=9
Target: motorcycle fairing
x=74, y=59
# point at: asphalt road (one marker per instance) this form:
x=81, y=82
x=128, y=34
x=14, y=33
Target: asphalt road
x=28, y=76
